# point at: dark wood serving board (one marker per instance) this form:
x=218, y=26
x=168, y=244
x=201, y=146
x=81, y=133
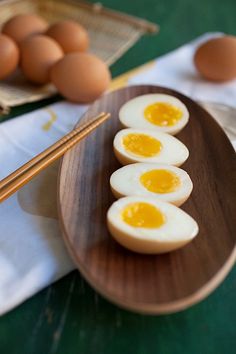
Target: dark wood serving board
x=143, y=283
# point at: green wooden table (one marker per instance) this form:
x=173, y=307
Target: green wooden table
x=69, y=317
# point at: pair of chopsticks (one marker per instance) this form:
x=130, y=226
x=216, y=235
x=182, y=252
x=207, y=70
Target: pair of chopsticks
x=25, y=173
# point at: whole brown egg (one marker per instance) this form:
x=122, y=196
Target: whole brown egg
x=21, y=26
x=38, y=54
x=9, y=56
x=216, y=59
x=71, y=36
x=80, y=77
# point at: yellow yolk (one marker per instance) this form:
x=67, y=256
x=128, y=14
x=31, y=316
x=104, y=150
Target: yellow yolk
x=142, y=145
x=142, y=214
x=160, y=181
x=163, y=114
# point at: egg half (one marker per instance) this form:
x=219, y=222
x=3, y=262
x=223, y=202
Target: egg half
x=158, y=112
x=139, y=145
x=168, y=183
x=148, y=225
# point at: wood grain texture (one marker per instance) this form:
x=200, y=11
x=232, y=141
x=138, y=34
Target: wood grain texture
x=151, y=284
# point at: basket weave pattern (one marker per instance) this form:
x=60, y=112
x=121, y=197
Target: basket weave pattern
x=110, y=37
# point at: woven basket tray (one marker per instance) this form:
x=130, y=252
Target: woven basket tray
x=111, y=35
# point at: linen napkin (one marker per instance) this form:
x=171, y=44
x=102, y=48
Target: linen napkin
x=176, y=70
x=32, y=252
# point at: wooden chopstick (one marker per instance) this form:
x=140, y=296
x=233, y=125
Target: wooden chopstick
x=25, y=173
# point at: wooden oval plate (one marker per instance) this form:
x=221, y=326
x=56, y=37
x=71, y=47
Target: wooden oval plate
x=143, y=283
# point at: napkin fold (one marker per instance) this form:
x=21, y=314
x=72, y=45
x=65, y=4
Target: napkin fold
x=32, y=252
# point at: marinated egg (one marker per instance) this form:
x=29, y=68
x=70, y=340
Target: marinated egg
x=140, y=145
x=38, y=54
x=215, y=59
x=80, y=77
x=148, y=225
x=21, y=26
x=168, y=183
x=158, y=112
x=9, y=56
x=71, y=36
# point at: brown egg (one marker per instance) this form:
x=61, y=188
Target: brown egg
x=80, y=77
x=216, y=59
x=9, y=56
x=38, y=54
x=71, y=36
x=20, y=27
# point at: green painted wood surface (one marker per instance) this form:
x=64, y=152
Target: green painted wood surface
x=69, y=317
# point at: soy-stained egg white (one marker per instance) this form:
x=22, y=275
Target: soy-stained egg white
x=158, y=112
x=148, y=225
x=167, y=183
x=139, y=145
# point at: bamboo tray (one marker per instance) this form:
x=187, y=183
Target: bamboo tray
x=111, y=34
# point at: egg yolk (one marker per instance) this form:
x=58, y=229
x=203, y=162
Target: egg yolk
x=142, y=145
x=142, y=214
x=160, y=181
x=163, y=114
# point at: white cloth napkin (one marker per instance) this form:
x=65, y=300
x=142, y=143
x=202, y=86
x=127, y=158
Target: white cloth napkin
x=32, y=252
x=176, y=70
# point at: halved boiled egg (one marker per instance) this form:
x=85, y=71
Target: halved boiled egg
x=168, y=183
x=148, y=225
x=139, y=145
x=159, y=112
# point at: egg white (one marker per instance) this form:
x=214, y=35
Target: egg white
x=178, y=230
x=126, y=182
x=173, y=151
x=131, y=113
